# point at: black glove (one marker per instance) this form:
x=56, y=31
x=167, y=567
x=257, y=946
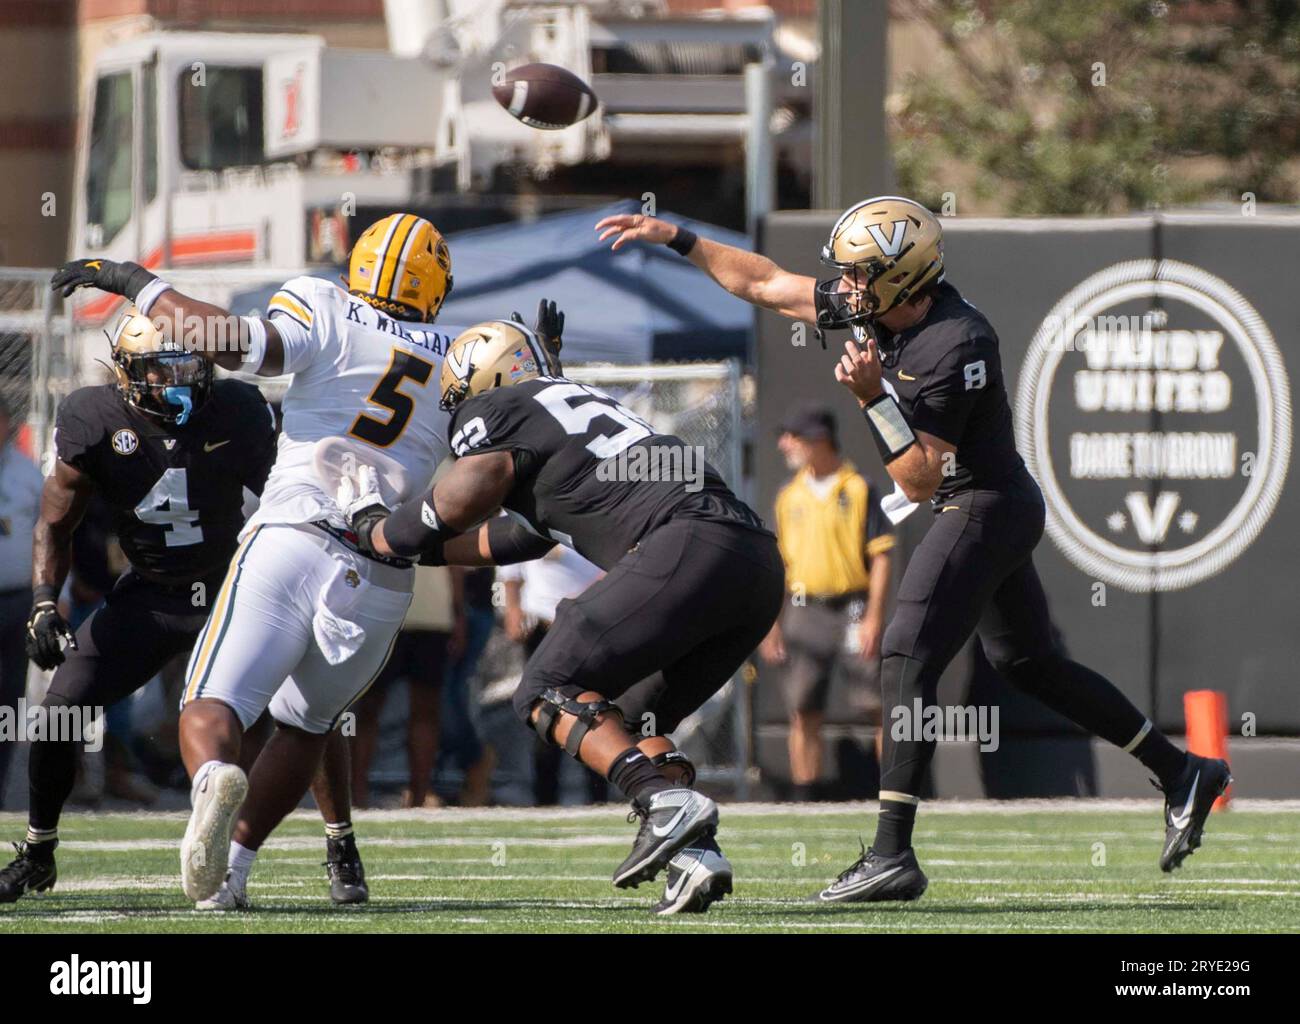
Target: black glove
x=549, y=325
x=126, y=279
x=45, y=628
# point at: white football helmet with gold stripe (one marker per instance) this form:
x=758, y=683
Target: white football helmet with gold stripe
x=402, y=266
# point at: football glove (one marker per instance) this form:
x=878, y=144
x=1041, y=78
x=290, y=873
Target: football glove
x=127, y=279
x=549, y=324
x=362, y=505
x=47, y=633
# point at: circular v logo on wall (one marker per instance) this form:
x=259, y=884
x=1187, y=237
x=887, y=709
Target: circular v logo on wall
x=1154, y=410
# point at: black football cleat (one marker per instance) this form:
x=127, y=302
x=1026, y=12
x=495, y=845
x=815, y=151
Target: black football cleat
x=873, y=877
x=1187, y=805
x=346, y=873
x=33, y=870
x=673, y=819
x=698, y=876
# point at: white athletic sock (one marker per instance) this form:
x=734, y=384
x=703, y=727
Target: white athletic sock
x=202, y=774
x=241, y=860
x=338, y=829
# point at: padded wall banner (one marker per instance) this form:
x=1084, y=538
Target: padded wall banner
x=1149, y=366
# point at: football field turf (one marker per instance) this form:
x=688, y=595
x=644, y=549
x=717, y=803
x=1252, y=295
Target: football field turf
x=1030, y=866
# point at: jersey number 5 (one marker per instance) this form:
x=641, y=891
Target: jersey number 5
x=388, y=395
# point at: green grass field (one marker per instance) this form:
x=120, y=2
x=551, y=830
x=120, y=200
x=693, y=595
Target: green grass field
x=1038, y=867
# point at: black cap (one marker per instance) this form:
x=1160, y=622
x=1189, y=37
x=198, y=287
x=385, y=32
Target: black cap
x=810, y=422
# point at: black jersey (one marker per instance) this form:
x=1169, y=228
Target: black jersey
x=589, y=472
x=176, y=493
x=946, y=374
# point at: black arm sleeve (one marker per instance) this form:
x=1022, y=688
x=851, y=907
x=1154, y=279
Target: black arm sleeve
x=510, y=542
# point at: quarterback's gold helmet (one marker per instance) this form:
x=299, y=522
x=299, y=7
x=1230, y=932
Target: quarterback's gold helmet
x=495, y=354
x=402, y=266
x=886, y=249
x=155, y=373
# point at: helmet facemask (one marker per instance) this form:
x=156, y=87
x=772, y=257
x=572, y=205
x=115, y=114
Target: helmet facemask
x=169, y=385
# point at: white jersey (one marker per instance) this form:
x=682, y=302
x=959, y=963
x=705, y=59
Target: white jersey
x=361, y=376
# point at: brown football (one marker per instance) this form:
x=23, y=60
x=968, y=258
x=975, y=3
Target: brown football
x=545, y=96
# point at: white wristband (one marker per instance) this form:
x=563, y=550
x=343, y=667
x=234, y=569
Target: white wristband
x=149, y=294
x=256, y=354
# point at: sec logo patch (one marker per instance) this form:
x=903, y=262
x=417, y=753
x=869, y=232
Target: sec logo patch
x=125, y=442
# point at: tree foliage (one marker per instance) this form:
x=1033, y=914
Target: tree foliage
x=1102, y=106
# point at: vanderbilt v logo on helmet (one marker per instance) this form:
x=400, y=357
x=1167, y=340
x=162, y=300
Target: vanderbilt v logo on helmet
x=886, y=249
x=495, y=354
x=155, y=373
x=402, y=266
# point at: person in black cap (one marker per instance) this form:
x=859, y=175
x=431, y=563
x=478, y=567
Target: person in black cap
x=836, y=543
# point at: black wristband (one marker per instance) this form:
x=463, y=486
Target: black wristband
x=683, y=241
x=128, y=279
x=45, y=593
x=414, y=528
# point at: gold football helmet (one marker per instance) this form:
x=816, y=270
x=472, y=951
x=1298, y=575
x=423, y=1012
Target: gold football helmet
x=155, y=373
x=495, y=354
x=886, y=249
x=402, y=266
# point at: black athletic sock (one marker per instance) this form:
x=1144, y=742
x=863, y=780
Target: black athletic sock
x=894, y=827
x=636, y=775
x=1162, y=757
x=52, y=772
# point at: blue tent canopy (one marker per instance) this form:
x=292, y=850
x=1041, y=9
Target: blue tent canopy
x=643, y=302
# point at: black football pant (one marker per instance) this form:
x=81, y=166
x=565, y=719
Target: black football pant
x=140, y=627
x=682, y=611
x=973, y=572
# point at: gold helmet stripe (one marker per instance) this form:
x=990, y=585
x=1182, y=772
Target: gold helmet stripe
x=381, y=252
x=387, y=263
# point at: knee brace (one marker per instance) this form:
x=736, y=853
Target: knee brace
x=678, y=761
x=552, y=703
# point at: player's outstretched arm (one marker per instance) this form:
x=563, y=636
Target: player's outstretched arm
x=229, y=341
x=747, y=275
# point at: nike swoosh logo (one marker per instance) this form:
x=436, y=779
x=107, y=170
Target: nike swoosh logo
x=672, y=824
x=1184, y=818
x=905, y=376
x=209, y=447
x=674, y=890
x=870, y=883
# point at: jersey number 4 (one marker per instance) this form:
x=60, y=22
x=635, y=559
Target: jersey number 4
x=168, y=505
x=388, y=395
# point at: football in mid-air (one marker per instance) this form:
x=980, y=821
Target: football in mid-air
x=545, y=96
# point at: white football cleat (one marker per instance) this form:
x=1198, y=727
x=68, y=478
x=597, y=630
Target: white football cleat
x=205, y=850
x=697, y=877
x=233, y=895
